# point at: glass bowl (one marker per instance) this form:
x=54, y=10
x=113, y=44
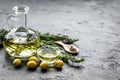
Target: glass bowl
x=48, y=54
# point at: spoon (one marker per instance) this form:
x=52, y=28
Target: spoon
x=69, y=48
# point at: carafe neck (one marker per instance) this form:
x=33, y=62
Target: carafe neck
x=21, y=15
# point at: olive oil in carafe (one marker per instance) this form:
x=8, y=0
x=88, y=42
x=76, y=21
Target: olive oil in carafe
x=22, y=44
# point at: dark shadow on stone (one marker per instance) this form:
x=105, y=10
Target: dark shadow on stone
x=18, y=67
x=43, y=70
x=31, y=70
x=75, y=54
x=1, y=46
x=59, y=69
x=8, y=58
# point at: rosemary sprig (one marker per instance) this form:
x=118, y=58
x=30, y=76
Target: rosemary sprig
x=54, y=37
x=68, y=57
x=3, y=32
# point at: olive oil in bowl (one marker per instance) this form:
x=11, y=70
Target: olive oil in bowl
x=49, y=55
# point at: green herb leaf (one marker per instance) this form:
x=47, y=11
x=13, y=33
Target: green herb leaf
x=3, y=32
x=68, y=57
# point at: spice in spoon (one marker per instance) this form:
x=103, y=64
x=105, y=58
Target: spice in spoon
x=73, y=49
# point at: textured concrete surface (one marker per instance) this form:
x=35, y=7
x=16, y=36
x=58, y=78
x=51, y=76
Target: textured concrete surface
x=95, y=22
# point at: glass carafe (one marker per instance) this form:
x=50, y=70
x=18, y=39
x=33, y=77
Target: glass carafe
x=21, y=41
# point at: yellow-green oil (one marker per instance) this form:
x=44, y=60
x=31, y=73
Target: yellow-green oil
x=48, y=55
x=20, y=44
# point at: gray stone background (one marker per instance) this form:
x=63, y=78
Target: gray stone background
x=96, y=23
